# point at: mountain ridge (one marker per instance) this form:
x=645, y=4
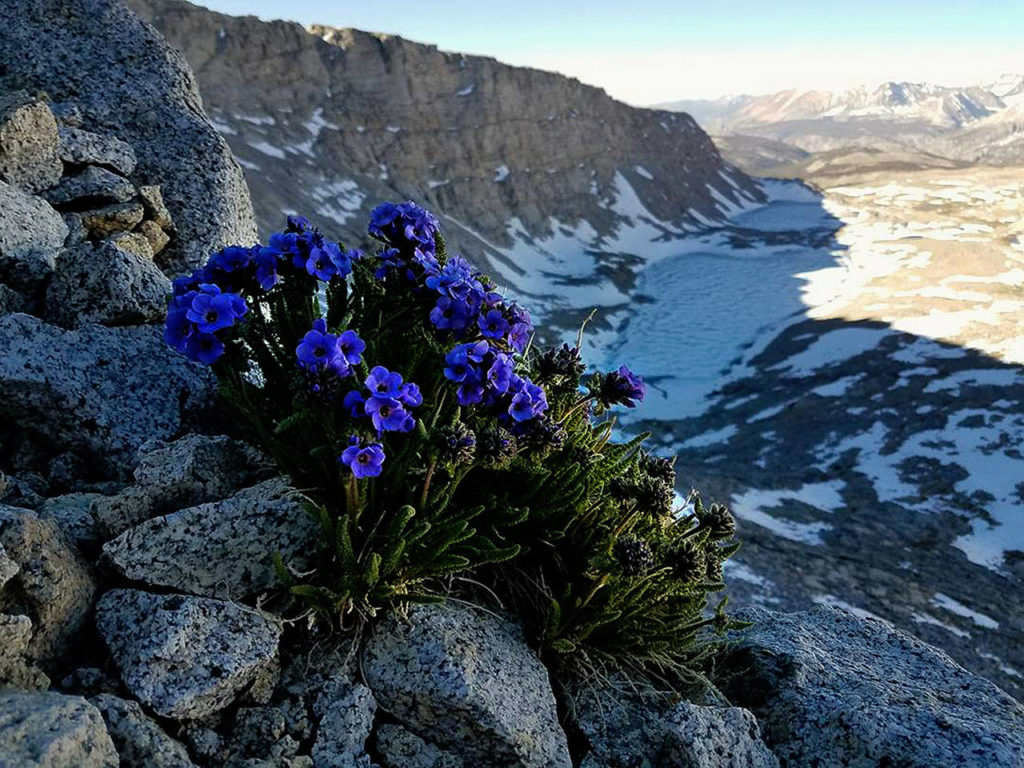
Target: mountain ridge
x=975, y=124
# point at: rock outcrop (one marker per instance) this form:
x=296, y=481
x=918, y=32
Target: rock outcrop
x=140, y=742
x=101, y=392
x=111, y=181
x=173, y=475
x=48, y=730
x=831, y=689
x=53, y=585
x=625, y=729
x=219, y=549
x=467, y=682
x=186, y=657
x=108, y=73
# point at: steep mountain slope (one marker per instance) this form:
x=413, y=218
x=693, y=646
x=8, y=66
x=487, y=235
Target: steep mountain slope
x=506, y=154
x=974, y=123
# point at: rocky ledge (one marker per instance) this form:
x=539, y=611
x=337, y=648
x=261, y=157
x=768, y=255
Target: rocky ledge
x=141, y=628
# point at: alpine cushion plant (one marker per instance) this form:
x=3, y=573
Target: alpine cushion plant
x=400, y=391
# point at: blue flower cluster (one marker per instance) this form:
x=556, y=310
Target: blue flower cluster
x=327, y=357
x=485, y=375
x=302, y=244
x=409, y=229
x=215, y=288
x=387, y=401
x=196, y=316
x=465, y=308
x=365, y=460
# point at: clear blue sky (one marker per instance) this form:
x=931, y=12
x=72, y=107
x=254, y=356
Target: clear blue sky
x=645, y=51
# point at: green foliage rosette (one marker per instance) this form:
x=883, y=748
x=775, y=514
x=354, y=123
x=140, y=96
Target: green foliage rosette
x=401, y=393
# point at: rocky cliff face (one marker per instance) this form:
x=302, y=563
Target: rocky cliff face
x=111, y=181
x=328, y=122
x=107, y=72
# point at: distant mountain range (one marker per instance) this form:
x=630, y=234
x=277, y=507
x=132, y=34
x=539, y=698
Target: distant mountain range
x=972, y=124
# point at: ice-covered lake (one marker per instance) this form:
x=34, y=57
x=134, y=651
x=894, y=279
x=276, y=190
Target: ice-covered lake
x=705, y=309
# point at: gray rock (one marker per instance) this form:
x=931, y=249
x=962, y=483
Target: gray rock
x=31, y=234
x=50, y=730
x=72, y=514
x=205, y=743
x=12, y=301
x=140, y=742
x=80, y=147
x=625, y=729
x=104, y=284
x=8, y=568
x=20, y=491
x=465, y=680
x=832, y=689
x=170, y=476
x=256, y=730
x=92, y=186
x=134, y=243
x=127, y=82
x=53, y=586
x=156, y=210
x=28, y=143
x=17, y=669
x=121, y=217
x=222, y=549
x=185, y=657
x=100, y=392
x=345, y=725
x=399, y=748
x=155, y=236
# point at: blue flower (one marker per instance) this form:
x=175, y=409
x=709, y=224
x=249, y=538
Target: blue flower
x=230, y=259
x=318, y=352
x=493, y=325
x=387, y=414
x=477, y=351
x=387, y=259
x=355, y=403
x=178, y=328
x=621, y=387
x=450, y=314
x=203, y=348
x=499, y=375
x=364, y=461
x=298, y=224
x=456, y=272
x=383, y=383
x=351, y=347
x=519, y=336
x=320, y=264
x=457, y=366
x=266, y=263
x=410, y=395
x=342, y=260
x=405, y=224
x=189, y=283
x=288, y=245
x=212, y=310
x=528, y=399
x=522, y=407
x=470, y=392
